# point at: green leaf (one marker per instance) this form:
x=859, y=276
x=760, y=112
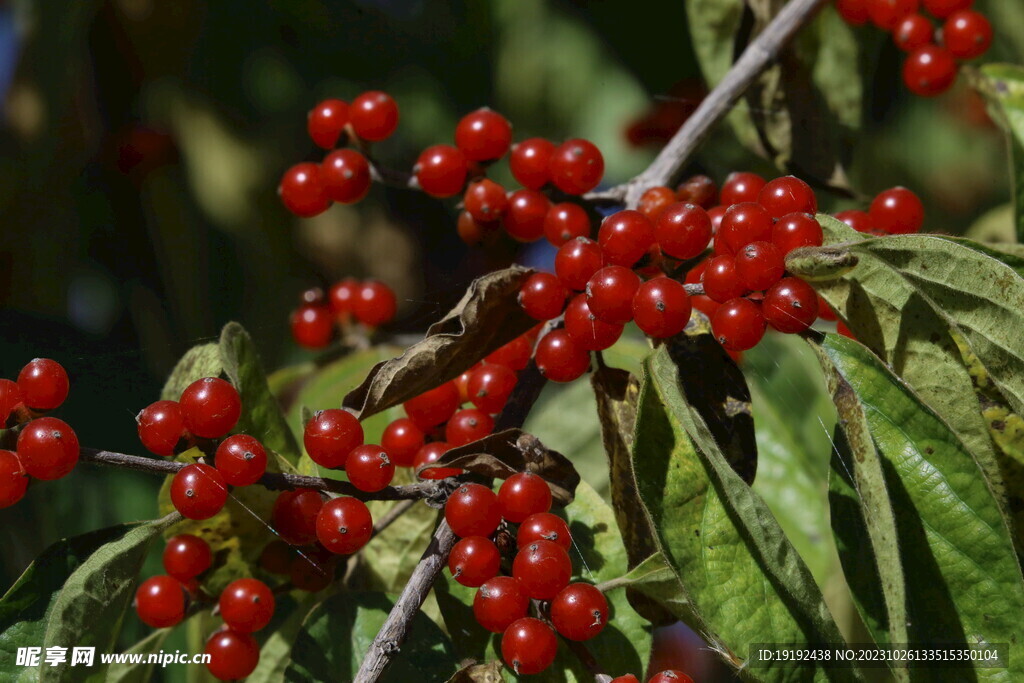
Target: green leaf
x=1003, y=86
x=138, y=673
x=198, y=362
x=276, y=653
x=388, y=560
x=655, y=579
x=745, y=581
x=337, y=634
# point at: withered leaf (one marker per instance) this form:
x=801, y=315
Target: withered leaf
x=489, y=672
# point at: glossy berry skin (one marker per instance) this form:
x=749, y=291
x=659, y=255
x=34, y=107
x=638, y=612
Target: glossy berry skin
x=485, y=200
x=576, y=261
x=515, y=355
x=374, y=116
x=759, y=265
x=490, y=386
x=430, y=453
x=48, y=448
x=886, y=14
x=625, y=237
x=625, y=678
x=472, y=510
x=967, y=34
x=586, y=330
x=741, y=187
x=401, y=439
x=610, y=294
x=524, y=219
x=738, y=324
x=721, y=282
x=786, y=195
x=940, y=9
x=246, y=605
x=897, y=211
x=233, y=655
x=160, y=427
x=790, y=306
x=661, y=308
x=559, y=358
x=913, y=31
x=522, y=495
x=795, y=230
x=529, y=162
x=433, y=407
x=326, y=122
x=198, y=491
x=529, y=646
x=683, y=230
x=13, y=479
x=301, y=191
x=544, y=526
x=43, y=384
x=670, y=676
x=312, y=326
x=186, y=557
x=369, y=468
x=294, y=515
x=441, y=170
x=854, y=12
x=345, y=176
x=342, y=295
x=700, y=190
x=742, y=224
x=467, y=425
x=856, y=219
x=160, y=601
x=543, y=568
x=499, y=602
x=929, y=71
x=210, y=407
x=483, y=135
x=10, y=397
x=543, y=296
x=655, y=200
x=579, y=611
x=576, y=166
x=564, y=222
x=344, y=525
x=474, y=560
x=330, y=435
x=374, y=304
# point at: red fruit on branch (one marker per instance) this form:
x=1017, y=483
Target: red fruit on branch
x=543, y=296
x=241, y=459
x=576, y=261
x=330, y=435
x=576, y=166
x=402, y=439
x=374, y=303
x=302, y=192
x=655, y=200
x=210, y=407
x=929, y=71
x=441, y=170
x=490, y=386
x=742, y=224
x=856, y=219
x=738, y=324
x=43, y=384
x=579, y=611
x=543, y=568
x=198, y=491
x=721, y=282
x=326, y=121
x=499, y=602
x=523, y=494
x=787, y=195
x=345, y=176
x=524, y=218
x=374, y=116
x=474, y=560
x=48, y=448
x=759, y=265
x=529, y=646
x=369, y=468
x=897, y=211
x=913, y=31
x=483, y=135
x=294, y=515
x=430, y=453
x=544, y=526
x=160, y=427
x=530, y=162
x=940, y=9
x=661, y=308
x=472, y=510
x=795, y=230
x=186, y=557
x=10, y=397
x=790, y=306
x=741, y=187
x=246, y=605
x=585, y=331
x=886, y=14
x=467, y=425
x=433, y=407
x=485, y=200
x=160, y=601
x=233, y=655
x=700, y=190
x=610, y=294
x=344, y=525
x=683, y=230
x=625, y=237
x=13, y=479
x=312, y=325
x=564, y=222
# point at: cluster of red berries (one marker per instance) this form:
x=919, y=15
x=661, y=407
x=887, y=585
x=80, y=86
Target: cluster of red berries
x=246, y=606
x=47, y=448
x=316, y=322
x=307, y=189
x=930, y=67
x=666, y=676
x=896, y=211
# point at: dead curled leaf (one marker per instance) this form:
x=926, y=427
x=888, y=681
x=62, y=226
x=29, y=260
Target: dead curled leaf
x=501, y=455
x=489, y=316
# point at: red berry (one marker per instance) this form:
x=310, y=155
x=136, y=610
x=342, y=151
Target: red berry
x=345, y=176
x=374, y=115
x=330, y=435
x=586, y=330
x=897, y=211
x=576, y=166
x=524, y=219
x=160, y=601
x=670, y=676
x=160, y=426
x=246, y=605
x=529, y=646
x=759, y=265
x=842, y=329
x=43, y=384
x=467, y=425
x=499, y=602
x=342, y=296
x=374, y=304
x=529, y=162
x=198, y=491
x=853, y=12
x=301, y=191
x=656, y=200
x=886, y=14
x=559, y=358
x=483, y=135
x=564, y=222
x=661, y=308
x=369, y=468
x=742, y=224
x=913, y=31
x=786, y=195
x=10, y=397
x=929, y=71
x=741, y=187
x=683, y=230
x=967, y=34
x=474, y=561
x=430, y=453
x=485, y=200
x=472, y=510
x=721, y=282
x=543, y=568
x=294, y=515
x=433, y=407
x=490, y=386
x=625, y=678
x=610, y=294
x=48, y=448
x=625, y=237
x=210, y=407
x=700, y=190
x=856, y=219
x=515, y=355
x=312, y=326
x=441, y=170
x=276, y=557
x=473, y=232
x=716, y=214
x=186, y=557
x=13, y=479
x=311, y=574
x=543, y=296
x=796, y=230
x=579, y=611
x=825, y=311
x=233, y=655
x=326, y=121
x=401, y=439
x=576, y=261
x=344, y=525
x=544, y=526
x=790, y=306
x=940, y=9
x=522, y=495
x=241, y=460
x=738, y=324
